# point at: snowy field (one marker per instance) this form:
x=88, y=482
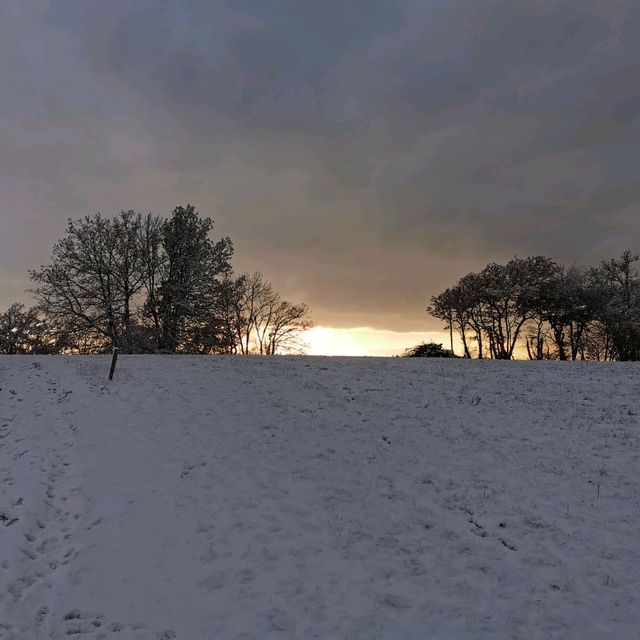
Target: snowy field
x=227, y=498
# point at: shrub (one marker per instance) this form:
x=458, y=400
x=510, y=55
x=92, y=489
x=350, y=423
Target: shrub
x=429, y=350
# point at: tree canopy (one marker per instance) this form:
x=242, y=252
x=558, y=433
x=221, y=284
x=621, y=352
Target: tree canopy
x=144, y=283
x=546, y=310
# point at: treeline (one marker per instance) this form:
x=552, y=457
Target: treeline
x=536, y=308
x=148, y=284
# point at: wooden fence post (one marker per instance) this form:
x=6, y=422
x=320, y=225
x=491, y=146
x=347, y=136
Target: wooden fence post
x=114, y=359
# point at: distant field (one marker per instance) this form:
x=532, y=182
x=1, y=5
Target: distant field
x=201, y=498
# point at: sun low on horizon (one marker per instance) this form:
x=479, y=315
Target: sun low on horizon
x=365, y=341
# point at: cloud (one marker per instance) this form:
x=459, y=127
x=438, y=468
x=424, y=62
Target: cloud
x=363, y=154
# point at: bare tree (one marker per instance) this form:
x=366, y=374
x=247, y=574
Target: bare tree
x=617, y=282
x=96, y=274
x=543, y=274
x=260, y=321
x=79, y=289
x=245, y=297
x=567, y=306
x=452, y=306
x=183, y=275
x=284, y=328
x=495, y=305
x=145, y=284
x=502, y=288
x=150, y=250
x=23, y=331
x=128, y=264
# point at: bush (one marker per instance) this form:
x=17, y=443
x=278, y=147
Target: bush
x=429, y=350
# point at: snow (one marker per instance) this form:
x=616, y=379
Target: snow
x=292, y=497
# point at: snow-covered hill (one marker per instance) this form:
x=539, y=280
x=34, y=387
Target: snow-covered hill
x=201, y=498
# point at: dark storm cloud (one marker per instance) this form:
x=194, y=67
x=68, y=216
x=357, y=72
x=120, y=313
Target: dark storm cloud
x=364, y=153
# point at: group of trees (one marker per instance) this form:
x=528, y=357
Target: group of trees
x=25, y=331
x=147, y=284
x=545, y=310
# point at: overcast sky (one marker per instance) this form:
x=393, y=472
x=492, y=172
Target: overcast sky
x=364, y=154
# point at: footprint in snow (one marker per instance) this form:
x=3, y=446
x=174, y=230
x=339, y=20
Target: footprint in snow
x=7, y=520
x=80, y=624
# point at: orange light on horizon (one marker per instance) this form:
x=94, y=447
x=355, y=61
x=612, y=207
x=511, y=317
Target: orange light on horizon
x=366, y=341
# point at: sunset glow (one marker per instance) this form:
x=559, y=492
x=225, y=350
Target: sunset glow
x=366, y=341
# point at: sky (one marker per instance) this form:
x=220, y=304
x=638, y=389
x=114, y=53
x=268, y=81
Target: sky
x=363, y=154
